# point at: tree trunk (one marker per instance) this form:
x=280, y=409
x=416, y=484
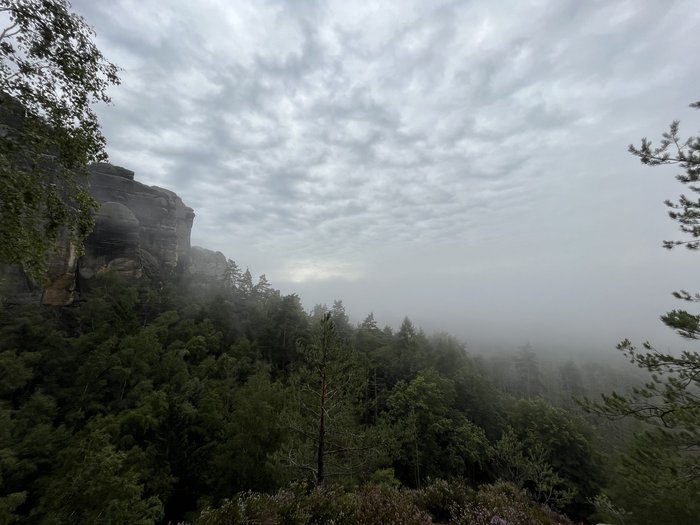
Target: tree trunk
x=321, y=432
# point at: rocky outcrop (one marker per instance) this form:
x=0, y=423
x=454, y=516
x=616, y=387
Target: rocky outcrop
x=206, y=263
x=139, y=231
x=17, y=288
x=206, y=270
x=61, y=275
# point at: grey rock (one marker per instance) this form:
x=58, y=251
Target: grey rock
x=62, y=266
x=139, y=231
x=164, y=222
x=114, y=244
x=149, y=263
x=207, y=263
x=16, y=287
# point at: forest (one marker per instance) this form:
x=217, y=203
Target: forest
x=225, y=402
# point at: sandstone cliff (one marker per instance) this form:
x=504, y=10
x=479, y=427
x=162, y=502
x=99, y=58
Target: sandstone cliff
x=140, y=231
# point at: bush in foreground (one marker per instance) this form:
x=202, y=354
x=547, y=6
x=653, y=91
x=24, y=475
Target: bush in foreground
x=439, y=502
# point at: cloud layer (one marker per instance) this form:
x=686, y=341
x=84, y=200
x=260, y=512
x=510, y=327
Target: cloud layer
x=460, y=162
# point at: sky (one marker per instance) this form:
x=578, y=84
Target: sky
x=462, y=163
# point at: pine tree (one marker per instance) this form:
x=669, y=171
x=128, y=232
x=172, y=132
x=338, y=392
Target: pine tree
x=669, y=402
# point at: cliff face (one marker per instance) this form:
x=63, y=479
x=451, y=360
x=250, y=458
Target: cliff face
x=139, y=231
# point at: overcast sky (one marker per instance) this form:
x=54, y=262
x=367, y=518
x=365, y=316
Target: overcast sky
x=463, y=163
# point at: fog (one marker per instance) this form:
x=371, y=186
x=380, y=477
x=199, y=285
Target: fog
x=559, y=306
x=442, y=161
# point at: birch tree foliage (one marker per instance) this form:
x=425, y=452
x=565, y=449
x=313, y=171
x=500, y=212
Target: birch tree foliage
x=51, y=74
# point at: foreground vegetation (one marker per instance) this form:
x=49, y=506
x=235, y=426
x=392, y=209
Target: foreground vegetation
x=439, y=502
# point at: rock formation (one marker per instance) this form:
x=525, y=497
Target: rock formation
x=139, y=231
x=206, y=263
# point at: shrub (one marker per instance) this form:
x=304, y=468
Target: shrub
x=439, y=502
x=498, y=504
x=443, y=499
x=384, y=476
x=383, y=505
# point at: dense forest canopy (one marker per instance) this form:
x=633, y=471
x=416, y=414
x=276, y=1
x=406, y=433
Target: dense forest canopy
x=191, y=397
x=152, y=402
